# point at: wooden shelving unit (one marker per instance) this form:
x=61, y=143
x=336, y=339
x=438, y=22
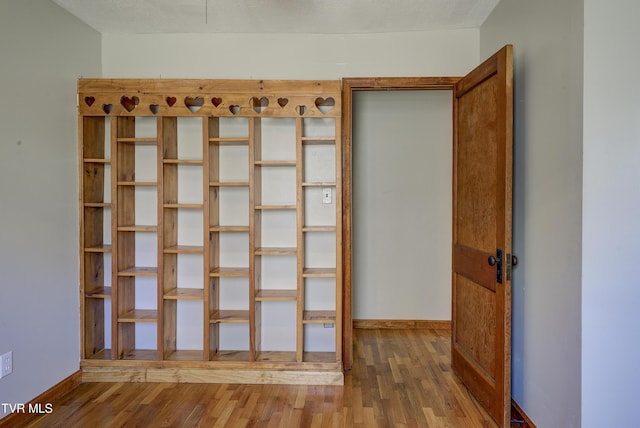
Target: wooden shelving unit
x=211, y=230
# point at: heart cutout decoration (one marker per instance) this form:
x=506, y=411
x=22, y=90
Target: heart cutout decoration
x=234, y=108
x=129, y=103
x=171, y=101
x=325, y=105
x=89, y=101
x=216, y=101
x=283, y=102
x=107, y=108
x=154, y=108
x=259, y=104
x=193, y=104
x=301, y=109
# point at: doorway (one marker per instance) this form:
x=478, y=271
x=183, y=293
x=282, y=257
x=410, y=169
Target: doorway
x=402, y=168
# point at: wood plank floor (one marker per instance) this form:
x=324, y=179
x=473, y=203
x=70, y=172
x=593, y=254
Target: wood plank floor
x=400, y=378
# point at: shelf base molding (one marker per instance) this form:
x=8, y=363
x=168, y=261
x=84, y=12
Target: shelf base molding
x=209, y=375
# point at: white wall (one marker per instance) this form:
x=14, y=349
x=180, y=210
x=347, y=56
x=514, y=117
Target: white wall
x=43, y=51
x=402, y=166
x=611, y=214
x=290, y=56
x=547, y=39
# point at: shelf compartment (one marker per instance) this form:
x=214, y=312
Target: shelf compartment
x=319, y=273
x=319, y=317
x=184, y=206
x=185, y=294
x=102, y=354
x=139, y=271
x=319, y=357
x=276, y=251
x=140, y=355
x=276, y=295
x=138, y=183
x=229, y=316
x=99, y=293
x=229, y=272
x=139, y=315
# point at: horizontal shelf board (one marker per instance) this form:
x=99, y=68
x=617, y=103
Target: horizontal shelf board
x=229, y=229
x=139, y=271
x=319, y=357
x=230, y=356
x=229, y=184
x=275, y=163
x=276, y=207
x=276, y=251
x=97, y=204
x=99, y=293
x=138, y=228
x=319, y=184
x=319, y=140
x=183, y=161
x=139, y=315
x=98, y=249
x=139, y=140
x=97, y=160
x=319, y=272
x=185, y=294
x=184, y=249
x=319, y=317
x=264, y=295
x=229, y=316
x=230, y=141
x=138, y=183
x=319, y=229
x=185, y=206
x=141, y=355
x=276, y=356
x=229, y=272
x=185, y=355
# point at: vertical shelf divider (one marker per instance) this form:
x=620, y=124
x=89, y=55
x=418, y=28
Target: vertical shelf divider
x=300, y=241
x=255, y=237
x=211, y=159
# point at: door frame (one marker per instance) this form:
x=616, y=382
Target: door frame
x=349, y=85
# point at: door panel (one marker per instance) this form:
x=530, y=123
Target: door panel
x=482, y=174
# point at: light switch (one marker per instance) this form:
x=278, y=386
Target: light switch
x=326, y=195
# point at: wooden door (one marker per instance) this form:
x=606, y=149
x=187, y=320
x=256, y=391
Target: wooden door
x=481, y=283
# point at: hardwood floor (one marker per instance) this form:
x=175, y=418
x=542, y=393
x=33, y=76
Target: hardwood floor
x=400, y=378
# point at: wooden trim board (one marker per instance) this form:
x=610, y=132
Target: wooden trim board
x=51, y=394
x=403, y=324
x=203, y=375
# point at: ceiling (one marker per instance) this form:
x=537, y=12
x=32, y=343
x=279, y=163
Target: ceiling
x=278, y=16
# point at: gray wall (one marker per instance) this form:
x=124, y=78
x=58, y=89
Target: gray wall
x=43, y=50
x=547, y=37
x=402, y=166
x=611, y=215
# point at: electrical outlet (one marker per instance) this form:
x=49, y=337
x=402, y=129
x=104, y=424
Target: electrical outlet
x=326, y=195
x=6, y=364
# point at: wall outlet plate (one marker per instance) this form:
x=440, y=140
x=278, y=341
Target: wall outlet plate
x=6, y=364
x=326, y=195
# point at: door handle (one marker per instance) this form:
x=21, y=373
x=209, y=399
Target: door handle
x=497, y=262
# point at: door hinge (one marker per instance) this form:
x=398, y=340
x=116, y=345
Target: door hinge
x=499, y=266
